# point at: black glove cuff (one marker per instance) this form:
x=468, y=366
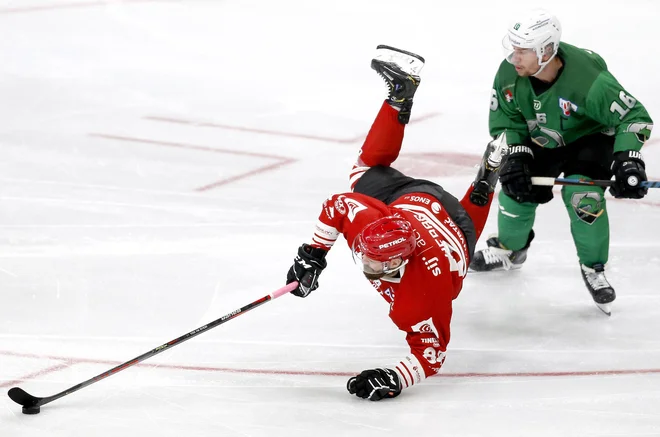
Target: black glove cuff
x=519, y=151
x=625, y=156
x=315, y=253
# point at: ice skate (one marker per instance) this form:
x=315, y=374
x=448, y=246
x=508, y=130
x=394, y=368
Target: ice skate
x=486, y=179
x=400, y=70
x=497, y=257
x=601, y=290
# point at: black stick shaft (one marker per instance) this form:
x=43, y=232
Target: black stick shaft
x=548, y=181
x=170, y=344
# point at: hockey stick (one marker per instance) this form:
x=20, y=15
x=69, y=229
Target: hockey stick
x=537, y=180
x=32, y=404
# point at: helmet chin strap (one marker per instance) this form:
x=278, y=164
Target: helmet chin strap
x=544, y=64
x=390, y=273
x=400, y=267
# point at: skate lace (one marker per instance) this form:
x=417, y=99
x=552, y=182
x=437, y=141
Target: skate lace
x=494, y=255
x=597, y=280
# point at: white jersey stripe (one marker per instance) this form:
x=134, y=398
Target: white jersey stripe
x=324, y=238
x=325, y=231
x=330, y=230
x=327, y=243
x=410, y=371
x=356, y=173
x=438, y=224
x=324, y=245
x=354, y=180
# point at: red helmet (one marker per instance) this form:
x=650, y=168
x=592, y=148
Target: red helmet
x=385, y=239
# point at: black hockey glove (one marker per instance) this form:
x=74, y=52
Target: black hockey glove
x=306, y=268
x=480, y=193
x=629, y=170
x=375, y=384
x=515, y=174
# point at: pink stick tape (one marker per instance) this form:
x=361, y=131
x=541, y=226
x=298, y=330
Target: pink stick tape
x=284, y=290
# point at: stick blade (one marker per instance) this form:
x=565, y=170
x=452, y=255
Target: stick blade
x=23, y=398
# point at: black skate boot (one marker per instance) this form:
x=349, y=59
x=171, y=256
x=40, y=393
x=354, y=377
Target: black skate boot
x=601, y=290
x=498, y=257
x=400, y=70
x=486, y=179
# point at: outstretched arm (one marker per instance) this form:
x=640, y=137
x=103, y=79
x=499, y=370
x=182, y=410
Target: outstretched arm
x=426, y=358
x=345, y=214
x=424, y=313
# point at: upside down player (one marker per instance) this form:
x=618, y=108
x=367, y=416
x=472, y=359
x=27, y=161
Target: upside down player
x=413, y=240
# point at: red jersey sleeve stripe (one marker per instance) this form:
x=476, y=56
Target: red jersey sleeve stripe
x=403, y=377
x=316, y=241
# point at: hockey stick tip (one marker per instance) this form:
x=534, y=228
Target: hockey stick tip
x=32, y=404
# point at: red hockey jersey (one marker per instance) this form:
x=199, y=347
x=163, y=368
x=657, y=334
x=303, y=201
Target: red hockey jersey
x=421, y=298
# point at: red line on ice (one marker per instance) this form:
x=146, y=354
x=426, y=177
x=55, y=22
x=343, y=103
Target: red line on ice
x=185, y=146
x=245, y=175
x=281, y=160
x=256, y=130
x=71, y=361
x=36, y=374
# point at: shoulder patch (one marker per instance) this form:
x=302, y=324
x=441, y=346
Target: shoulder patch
x=340, y=207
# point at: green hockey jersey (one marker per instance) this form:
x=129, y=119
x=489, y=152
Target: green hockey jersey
x=584, y=99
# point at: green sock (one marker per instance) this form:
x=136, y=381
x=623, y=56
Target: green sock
x=514, y=222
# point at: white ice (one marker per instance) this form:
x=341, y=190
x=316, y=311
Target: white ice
x=161, y=161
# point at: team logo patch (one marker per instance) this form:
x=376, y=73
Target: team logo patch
x=340, y=207
x=537, y=105
x=567, y=107
x=354, y=207
x=587, y=206
x=425, y=327
x=508, y=95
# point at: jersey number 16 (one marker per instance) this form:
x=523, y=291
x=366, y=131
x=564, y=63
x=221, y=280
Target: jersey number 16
x=627, y=100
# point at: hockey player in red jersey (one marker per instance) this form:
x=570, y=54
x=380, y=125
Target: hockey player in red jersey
x=412, y=239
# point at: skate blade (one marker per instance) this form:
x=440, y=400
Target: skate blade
x=408, y=63
x=605, y=307
x=500, y=149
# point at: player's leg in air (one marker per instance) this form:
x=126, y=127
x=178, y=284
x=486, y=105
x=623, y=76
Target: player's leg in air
x=478, y=198
x=400, y=70
x=381, y=148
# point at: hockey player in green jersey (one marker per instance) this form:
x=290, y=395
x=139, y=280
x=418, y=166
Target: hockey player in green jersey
x=561, y=111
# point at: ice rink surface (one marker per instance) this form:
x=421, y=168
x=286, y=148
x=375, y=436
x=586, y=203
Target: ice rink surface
x=161, y=161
